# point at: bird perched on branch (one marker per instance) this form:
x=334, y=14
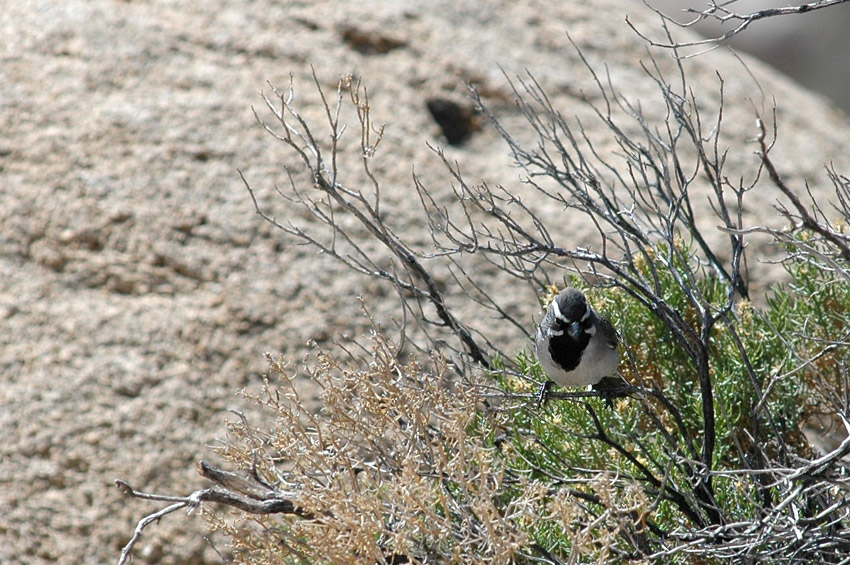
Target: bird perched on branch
x=576, y=346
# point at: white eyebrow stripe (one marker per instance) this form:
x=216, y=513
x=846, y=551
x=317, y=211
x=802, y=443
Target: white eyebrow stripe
x=586, y=313
x=557, y=312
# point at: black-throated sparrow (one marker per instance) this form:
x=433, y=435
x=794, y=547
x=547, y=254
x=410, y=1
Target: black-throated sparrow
x=575, y=345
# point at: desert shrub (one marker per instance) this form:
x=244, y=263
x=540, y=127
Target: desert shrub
x=432, y=448
x=402, y=461
x=706, y=457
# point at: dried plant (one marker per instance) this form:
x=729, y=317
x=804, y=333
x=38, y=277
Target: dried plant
x=400, y=462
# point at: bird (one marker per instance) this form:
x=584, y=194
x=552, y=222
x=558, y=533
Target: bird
x=576, y=346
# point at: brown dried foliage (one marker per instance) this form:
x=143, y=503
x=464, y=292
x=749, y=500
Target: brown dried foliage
x=398, y=462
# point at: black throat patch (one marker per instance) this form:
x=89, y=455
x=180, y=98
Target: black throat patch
x=565, y=350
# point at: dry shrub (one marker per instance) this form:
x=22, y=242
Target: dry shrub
x=398, y=464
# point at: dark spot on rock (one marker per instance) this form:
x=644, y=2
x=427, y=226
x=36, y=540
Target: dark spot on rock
x=307, y=23
x=370, y=42
x=457, y=122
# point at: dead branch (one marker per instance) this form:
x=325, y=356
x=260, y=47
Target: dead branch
x=803, y=219
x=236, y=491
x=720, y=12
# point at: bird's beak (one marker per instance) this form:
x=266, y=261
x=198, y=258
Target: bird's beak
x=574, y=330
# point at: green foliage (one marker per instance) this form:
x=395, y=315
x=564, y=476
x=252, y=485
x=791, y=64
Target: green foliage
x=761, y=378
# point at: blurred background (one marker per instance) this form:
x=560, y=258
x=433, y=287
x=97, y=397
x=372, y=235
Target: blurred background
x=812, y=48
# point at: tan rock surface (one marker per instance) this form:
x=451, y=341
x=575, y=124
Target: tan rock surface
x=139, y=289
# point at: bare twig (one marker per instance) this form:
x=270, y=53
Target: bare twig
x=720, y=12
x=236, y=491
x=364, y=208
x=803, y=219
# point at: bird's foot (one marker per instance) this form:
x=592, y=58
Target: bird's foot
x=543, y=394
x=612, y=387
